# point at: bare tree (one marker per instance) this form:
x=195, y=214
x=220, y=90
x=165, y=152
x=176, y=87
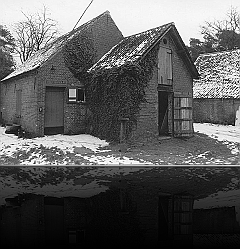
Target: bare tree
x=223, y=34
x=34, y=33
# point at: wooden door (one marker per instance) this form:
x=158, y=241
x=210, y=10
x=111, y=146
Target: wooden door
x=165, y=66
x=54, y=224
x=183, y=212
x=54, y=109
x=163, y=112
x=164, y=218
x=183, y=123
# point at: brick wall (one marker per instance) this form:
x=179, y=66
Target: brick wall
x=28, y=87
x=23, y=225
x=100, y=216
x=218, y=111
x=147, y=123
x=10, y=227
x=32, y=221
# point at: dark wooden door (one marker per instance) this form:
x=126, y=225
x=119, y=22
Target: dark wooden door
x=54, y=105
x=163, y=112
x=163, y=218
x=54, y=224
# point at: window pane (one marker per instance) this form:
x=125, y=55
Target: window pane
x=81, y=95
x=72, y=93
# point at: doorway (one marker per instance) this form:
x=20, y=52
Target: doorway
x=54, y=106
x=54, y=221
x=163, y=113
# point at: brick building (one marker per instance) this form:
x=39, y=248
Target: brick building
x=217, y=91
x=37, y=95
x=40, y=94
x=168, y=110
x=118, y=217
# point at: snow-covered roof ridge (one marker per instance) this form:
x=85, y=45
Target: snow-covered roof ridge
x=219, y=75
x=42, y=55
x=131, y=48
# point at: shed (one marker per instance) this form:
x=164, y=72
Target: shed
x=168, y=92
x=43, y=95
x=217, y=91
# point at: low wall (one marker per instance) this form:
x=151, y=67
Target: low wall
x=217, y=111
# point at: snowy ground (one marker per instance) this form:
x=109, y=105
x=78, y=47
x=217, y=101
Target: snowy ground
x=89, y=150
x=31, y=151
x=229, y=134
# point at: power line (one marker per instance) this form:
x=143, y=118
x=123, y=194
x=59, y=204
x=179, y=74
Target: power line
x=82, y=15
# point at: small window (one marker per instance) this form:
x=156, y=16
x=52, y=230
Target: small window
x=76, y=236
x=165, y=41
x=76, y=95
x=80, y=95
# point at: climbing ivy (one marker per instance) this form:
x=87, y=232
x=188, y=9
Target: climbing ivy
x=117, y=93
x=79, y=54
x=112, y=93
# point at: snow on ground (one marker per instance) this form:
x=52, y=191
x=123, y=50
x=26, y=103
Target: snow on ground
x=10, y=144
x=89, y=183
x=86, y=147
x=229, y=134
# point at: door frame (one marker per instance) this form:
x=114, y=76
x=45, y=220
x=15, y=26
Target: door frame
x=169, y=91
x=54, y=130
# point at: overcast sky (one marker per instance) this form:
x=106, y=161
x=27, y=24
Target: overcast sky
x=131, y=16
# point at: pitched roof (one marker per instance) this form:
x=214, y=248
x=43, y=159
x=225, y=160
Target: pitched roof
x=130, y=48
x=133, y=47
x=219, y=75
x=42, y=55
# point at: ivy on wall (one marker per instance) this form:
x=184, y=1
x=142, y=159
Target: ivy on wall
x=79, y=54
x=113, y=93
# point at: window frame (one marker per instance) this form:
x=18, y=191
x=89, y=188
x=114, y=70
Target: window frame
x=74, y=99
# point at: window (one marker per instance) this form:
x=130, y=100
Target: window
x=165, y=75
x=169, y=65
x=76, y=95
x=81, y=95
x=76, y=236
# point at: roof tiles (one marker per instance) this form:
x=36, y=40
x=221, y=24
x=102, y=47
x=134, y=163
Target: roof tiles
x=219, y=75
x=130, y=48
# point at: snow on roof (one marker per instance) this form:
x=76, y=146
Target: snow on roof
x=219, y=75
x=130, y=48
x=42, y=55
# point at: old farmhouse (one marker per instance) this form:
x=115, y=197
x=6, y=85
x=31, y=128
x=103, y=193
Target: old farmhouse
x=144, y=81
x=217, y=91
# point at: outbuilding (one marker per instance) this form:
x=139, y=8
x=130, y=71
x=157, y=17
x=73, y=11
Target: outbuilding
x=217, y=91
x=43, y=95
x=92, y=80
x=150, y=75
